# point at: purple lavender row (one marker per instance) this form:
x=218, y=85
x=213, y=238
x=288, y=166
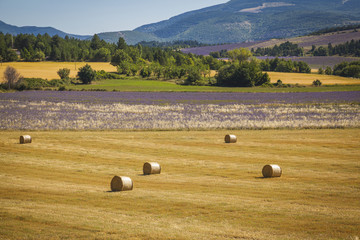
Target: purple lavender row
x=183, y=97
x=46, y=115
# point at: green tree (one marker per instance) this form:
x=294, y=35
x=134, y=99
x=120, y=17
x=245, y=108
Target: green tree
x=303, y=67
x=121, y=44
x=11, y=55
x=245, y=74
x=86, y=74
x=39, y=56
x=102, y=55
x=321, y=51
x=64, y=73
x=328, y=71
x=285, y=66
x=145, y=72
x=240, y=54
x=96, y=42
x=194, y=77
x=26, y=55
x=120, y=57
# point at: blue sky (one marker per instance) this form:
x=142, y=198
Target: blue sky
x=87, y=17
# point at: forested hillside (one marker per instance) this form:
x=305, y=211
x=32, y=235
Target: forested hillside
x=244, y=20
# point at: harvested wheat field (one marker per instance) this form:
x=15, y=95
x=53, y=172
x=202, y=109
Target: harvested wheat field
x=48, y=70
x=58, y=186
x=307, y=79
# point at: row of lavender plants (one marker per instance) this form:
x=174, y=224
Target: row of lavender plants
x=177, y=111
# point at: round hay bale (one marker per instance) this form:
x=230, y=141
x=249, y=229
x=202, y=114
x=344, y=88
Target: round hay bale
x=25, y=139
x=151, y=168
x=121, y=184
x=230, y=138
x=271, y=170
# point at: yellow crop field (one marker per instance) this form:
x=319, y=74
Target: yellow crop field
x=48, y=70
x=307, y=79
x=58, y=187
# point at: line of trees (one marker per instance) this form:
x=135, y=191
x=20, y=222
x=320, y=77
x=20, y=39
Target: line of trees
x=351, y=48
x=282, y=65
x=283, y=50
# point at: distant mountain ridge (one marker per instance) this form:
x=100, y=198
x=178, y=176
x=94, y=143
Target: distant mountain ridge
x=233, y=22
x=14, y=30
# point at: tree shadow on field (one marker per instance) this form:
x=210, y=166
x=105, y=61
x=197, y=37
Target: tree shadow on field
x=260, y=177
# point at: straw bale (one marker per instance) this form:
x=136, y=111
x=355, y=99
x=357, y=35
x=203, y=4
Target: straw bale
x=230, y=138
x=271, y=170
x=25, y=139
x=151, y=168
x=121, y=184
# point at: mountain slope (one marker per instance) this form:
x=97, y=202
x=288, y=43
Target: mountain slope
x=306, y=42
x=232, y=22
x=246, y=20
x=14, y=30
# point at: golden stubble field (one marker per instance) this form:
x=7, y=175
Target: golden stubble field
x=58, y=187
x=307, y=79
x=48, y=70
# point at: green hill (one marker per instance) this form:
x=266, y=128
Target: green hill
x=249, y=20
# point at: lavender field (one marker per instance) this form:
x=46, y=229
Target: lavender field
x=50, y=110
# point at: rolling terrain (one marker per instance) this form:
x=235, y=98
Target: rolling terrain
x=303, y=41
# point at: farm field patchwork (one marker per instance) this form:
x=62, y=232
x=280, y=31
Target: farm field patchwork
x=48, y=70
x=70, y=110
x=58, y=187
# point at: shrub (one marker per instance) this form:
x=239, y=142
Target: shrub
x=106, y=75
x=194, y=78
x=64, y=73
x=328, y=71
x=32, y=84
x=145, y=72
x=317, y=83
x=86, y=74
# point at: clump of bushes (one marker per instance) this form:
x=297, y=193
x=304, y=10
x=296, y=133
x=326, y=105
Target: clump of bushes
x=39, y=83
x=346, y=69
x=244, y=74
x=282, y=65
x=100, y=75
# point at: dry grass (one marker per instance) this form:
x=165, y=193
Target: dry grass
x=307, y=79
x=58, y=186
x=48, y=70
